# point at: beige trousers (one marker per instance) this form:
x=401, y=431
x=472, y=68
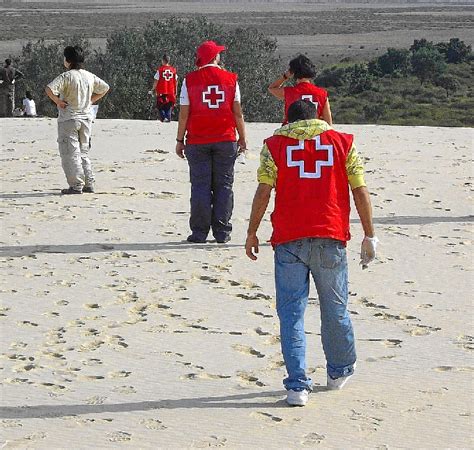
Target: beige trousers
x=73, y=140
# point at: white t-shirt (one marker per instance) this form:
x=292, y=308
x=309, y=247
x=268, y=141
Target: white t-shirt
x=184, y=97
x=30, y=107
x=76, y=87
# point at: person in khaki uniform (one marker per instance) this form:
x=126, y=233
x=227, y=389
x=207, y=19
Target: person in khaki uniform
x=74, y=92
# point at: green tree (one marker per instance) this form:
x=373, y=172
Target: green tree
x=457, y=51
x=427, y=64
x=419, y=44
x=360, y=79
x=394, y=61
x=332, y=77
x=448, y=83
x=131, y=57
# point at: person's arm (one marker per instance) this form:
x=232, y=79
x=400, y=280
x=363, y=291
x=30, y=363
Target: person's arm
x=96, y=97
x=55, y=98
x=100, y=89
x=364, y=209
x=240, y=125
x=276, y=88
x=182, y=123
x=259, y=206
x=326, y=115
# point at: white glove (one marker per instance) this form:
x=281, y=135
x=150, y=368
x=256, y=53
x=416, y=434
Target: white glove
x=1, y=81
x=241, y=158
x=150, y=92
x=13, y=81
x=368, y=251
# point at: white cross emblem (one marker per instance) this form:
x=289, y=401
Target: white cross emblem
x=319, y=163
x=309, y=97
x=213, y=97
x=167, y=74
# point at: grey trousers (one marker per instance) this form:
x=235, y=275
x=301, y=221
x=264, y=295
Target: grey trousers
x=7, y=100
x=73, y=140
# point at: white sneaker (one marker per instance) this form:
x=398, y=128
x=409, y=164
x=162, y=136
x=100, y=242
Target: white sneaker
x=297, y=398
x=338, y=383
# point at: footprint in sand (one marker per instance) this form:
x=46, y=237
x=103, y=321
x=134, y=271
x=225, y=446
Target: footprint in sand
x=211, y=441
x=153, y=424
x=96, y=400
x=125, y=390
x=119, y=436
x=203, y=376
x=248, y=378
x=261, y=314
x=266, y=416
x=312, y=439
x=464, y=341
x=10, y=423
x=119, y=374
x=26, y=441
x=453, y=369
x=422, y=330
x=246, y=350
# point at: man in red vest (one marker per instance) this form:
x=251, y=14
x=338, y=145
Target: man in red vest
x=165, y=86
x=209, y=114
x=311, y=167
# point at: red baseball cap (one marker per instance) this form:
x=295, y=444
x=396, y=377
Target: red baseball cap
x=207, y=51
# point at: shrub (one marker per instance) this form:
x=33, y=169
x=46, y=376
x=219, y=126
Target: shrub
x=427, y=64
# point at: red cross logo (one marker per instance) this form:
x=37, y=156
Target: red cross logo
x=309, y=97
x=167, y=74
x=318, y=163
x=213, y=97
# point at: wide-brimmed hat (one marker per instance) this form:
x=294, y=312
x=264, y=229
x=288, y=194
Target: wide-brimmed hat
x=207, y=51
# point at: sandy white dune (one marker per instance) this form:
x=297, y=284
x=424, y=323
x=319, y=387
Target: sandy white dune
x=116, y=333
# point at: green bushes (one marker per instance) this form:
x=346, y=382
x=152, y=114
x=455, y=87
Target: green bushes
x=131, y=57
x=428, y=84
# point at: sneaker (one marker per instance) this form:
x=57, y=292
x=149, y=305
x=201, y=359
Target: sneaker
x=337, y=383
x=297, y=398
x=196, y=240
x=70, y=190
x=223, y=240
x=88, y=189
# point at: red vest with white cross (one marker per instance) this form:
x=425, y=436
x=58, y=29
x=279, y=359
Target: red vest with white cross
x=305, y=91
x=312, y=188
x=167, y=82
x=211, y=92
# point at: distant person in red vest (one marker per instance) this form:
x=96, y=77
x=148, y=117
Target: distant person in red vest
x=311, y=167
x=209, y=115
x=165, y=86
x=303, y=71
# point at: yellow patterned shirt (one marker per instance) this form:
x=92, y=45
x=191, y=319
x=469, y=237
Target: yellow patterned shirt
x=308, y=129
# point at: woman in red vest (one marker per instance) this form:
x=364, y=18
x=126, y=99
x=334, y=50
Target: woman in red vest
x=303, y=71
x=209, y=115
x=165, y=86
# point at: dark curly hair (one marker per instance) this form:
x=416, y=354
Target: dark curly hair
x=302, y=67
x=74, y=56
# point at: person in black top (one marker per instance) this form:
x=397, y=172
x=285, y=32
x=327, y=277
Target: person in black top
x=8, y=76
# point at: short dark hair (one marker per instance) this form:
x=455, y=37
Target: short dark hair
x=301, y=110
x=302, y=67
x=28, y=95
x=166, y=58
x=74, y=56
x=8, y=61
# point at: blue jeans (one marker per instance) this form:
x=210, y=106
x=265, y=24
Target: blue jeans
x=326, y=260
x=211, y=171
